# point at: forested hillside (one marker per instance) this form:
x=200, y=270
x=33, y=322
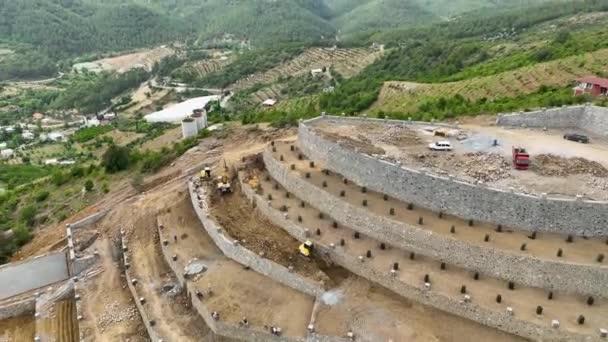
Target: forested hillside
x=45, y=35
x=63, y=28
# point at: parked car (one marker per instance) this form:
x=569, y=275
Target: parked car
x=577, y=137
x=441, y=146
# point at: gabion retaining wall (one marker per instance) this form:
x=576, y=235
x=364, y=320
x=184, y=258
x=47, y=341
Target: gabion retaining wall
x=497, y=263
x=590, y=118
x=499, y=320
x=459, y=198
x=233, y=250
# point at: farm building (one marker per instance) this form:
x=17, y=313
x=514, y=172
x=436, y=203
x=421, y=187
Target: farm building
x=178, y=112
x=269, y=103
x=591, y=85
x=7, y=154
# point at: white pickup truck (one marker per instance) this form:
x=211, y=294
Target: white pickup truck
x=441, y=146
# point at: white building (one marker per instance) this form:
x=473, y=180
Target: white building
x=91, y=122
x=56, y=136
x=189, y=128
x=53, y=161
x=316, y=72
x=7, y=154
x=109, y=116
x=200, y=117
x=178, y=112
x=28, y=135
x=269, y=103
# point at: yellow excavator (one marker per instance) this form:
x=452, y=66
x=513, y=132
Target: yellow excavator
x=205, y=174
x=223, y=184
x=305, y=249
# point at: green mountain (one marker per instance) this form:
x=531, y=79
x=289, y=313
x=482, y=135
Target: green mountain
x=63, y=28
x=264, y=22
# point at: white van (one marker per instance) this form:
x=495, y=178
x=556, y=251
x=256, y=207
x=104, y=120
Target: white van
x=441, y=146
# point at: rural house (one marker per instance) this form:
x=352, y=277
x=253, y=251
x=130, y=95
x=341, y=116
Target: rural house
x=594, y=86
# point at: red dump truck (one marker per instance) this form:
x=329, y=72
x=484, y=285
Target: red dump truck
x=521, y=158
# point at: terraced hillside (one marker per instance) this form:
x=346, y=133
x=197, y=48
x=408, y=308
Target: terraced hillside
x=405, y=96
x=199, y=69
x=347, y=62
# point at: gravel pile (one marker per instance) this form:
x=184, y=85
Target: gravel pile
x=115, y=313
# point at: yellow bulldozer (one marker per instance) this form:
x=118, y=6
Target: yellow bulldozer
x=305, y=249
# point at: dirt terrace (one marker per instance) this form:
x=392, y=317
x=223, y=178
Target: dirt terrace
x=448, y=281
x=108, y=311
x=376, y=314
x=371, y=312
x=559, y=167
x=544, y=245
x=258, y=234
x=22, y=328
x=165, y=300
x=236, y=292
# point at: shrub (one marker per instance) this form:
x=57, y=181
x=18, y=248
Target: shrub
x=88, y=185
x=27, y=215
x=115, y=159
x=42, y=196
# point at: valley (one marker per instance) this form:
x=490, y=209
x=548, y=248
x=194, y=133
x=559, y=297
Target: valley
x=303, y=171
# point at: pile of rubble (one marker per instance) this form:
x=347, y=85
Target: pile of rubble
x=114, y=313
x=399, y=136
x=477, y=166
x=552, y=165
x=484, y=167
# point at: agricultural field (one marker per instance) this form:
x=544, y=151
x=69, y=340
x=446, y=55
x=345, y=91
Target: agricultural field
x=199, y=69
x=346, y=62
x=406, y=96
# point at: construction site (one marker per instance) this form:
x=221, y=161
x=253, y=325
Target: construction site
x=346, y=229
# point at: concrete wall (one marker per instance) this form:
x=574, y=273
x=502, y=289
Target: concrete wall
x=521, y=268
x=590, y=118
x=243, y=256
x=78, y=264
x=88, y=220
x=18, y=308
x=471, y=311
x=578, y=217
x=220, y=328
x=34, y=273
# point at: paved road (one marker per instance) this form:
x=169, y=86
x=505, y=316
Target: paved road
x=32, y=274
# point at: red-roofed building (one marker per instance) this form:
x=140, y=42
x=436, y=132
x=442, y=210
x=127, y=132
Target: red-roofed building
x=594, y=86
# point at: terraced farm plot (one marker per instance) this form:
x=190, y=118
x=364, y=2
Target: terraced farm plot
x=405, y=96
x=347, y=62
x=201, y=68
